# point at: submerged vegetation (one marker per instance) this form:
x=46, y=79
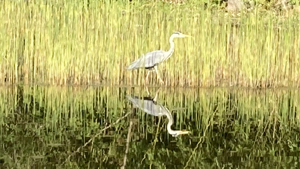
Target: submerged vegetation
x=91, y=42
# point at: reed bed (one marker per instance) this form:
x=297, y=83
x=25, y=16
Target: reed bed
x=92, y=42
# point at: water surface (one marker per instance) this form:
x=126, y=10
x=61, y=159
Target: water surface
x=100, y=127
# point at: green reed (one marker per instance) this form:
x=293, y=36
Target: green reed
x=92, y=42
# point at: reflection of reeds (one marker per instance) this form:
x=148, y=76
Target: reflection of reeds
x=75, y=43
x=73, y=126
x=127, y=145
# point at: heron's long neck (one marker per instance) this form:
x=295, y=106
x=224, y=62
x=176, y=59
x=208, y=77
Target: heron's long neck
x=172, y=46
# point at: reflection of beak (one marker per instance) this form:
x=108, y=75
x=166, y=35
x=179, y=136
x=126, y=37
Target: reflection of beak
x=184, y=132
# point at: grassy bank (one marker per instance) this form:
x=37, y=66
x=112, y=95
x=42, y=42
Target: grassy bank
x=76, y=42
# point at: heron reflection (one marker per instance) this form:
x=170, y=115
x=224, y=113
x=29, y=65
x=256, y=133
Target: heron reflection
x=150, y=106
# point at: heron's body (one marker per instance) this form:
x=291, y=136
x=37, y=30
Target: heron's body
x=149, y=60
x=152, y=59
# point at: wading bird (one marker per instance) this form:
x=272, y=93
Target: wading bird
x=152, y=59
x=150, y=106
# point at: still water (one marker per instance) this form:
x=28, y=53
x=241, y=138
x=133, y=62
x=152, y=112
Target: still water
x=138, y=127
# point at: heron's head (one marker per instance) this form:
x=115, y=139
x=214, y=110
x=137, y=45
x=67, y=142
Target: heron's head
x=179, y=35
x=177, y=133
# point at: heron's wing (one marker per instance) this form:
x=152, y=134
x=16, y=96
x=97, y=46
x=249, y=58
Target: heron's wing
x=147, y=106
x=149, y=60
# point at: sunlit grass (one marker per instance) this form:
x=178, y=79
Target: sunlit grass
x=73, y=42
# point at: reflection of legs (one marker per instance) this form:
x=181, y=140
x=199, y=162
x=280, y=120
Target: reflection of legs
x=147, y=91
x=156, y=95
x=161, y=81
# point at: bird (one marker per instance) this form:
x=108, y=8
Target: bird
x=151, y=107
x=150, y=60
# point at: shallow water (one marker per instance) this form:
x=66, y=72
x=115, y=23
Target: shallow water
x=106, y=127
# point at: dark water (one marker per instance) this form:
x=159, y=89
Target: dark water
x=113, y=127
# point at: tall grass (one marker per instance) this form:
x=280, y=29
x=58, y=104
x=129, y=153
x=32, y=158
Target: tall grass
x=92, y=42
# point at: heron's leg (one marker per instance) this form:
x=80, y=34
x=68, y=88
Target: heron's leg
x=147, y=76
x=161, y=81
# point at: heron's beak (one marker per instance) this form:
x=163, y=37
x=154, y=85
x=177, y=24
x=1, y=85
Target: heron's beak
x=184, y=132
x=186, y=35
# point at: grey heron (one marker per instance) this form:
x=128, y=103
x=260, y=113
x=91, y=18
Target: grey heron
x=150, y=106
x=152, y=59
